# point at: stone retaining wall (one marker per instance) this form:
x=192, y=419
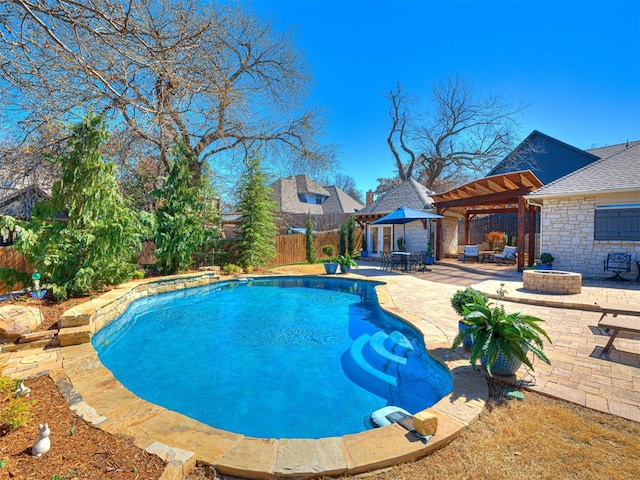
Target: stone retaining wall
x=78, y=324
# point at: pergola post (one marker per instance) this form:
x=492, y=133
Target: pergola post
x=521, y=232
x=532, y=234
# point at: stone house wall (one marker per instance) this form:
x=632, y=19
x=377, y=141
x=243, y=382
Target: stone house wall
x=567, y=232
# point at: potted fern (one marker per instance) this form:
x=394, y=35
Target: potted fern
x=468, y=296
x=501, y=340
x=346, y=263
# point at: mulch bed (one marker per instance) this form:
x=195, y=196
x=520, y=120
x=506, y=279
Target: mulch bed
x=78, y=450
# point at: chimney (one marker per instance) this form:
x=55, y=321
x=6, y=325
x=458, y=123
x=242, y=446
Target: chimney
x=369, y=197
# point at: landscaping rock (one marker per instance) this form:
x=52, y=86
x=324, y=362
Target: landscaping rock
x=16, y=320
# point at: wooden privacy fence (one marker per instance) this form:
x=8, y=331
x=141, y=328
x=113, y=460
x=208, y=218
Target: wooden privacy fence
x=9, y=258
x=290, y=248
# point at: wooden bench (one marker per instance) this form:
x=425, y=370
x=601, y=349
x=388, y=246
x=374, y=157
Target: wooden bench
x=617, y=325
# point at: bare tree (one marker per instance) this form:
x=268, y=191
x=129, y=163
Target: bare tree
x=463, y=136
x=211, y=77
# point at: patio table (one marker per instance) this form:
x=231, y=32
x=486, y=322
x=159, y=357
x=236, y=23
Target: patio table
x=485, y=255
x=403, y=258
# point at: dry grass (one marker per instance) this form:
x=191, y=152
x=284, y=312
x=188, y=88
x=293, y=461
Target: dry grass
x=537, y=438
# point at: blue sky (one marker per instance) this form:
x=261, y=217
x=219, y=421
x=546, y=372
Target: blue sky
x=575, y=63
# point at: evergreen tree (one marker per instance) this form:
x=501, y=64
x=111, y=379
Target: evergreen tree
x=95, y=246
x=310, y=250
x=256, y=227
x=351, y=235
x=342, y=239
x=185, y=219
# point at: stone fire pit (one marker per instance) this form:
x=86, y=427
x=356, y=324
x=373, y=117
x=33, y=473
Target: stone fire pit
x=552, y=281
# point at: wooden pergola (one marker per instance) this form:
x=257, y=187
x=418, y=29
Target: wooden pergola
x=496, y=194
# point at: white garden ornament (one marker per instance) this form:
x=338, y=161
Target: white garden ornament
x=43, y=444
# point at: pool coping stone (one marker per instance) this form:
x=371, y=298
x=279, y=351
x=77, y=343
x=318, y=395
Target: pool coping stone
x=94, y=393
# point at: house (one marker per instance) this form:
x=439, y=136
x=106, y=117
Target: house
x=593, y=211
x=299, y=195
x=18, y=203
x=546, y=157
x=384, y=238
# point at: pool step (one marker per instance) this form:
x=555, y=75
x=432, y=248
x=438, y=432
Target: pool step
x=358, y=355
x=375, y=361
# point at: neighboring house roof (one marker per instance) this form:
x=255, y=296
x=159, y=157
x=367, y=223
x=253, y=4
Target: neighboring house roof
x=617, y=170
x=19, y=203
x=409, y=193
x=547, y=157
x=290, y=194
x=340, y=202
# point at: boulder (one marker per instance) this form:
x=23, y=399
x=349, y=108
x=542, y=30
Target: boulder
x=16, y=320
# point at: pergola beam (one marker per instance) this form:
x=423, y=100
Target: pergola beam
x=494, y=195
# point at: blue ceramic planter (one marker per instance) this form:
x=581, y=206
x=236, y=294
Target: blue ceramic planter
x=467, y=342
x=503, y=366
x=330, y=268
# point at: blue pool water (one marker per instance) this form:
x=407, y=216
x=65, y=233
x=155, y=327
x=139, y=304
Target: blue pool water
x=284, y=357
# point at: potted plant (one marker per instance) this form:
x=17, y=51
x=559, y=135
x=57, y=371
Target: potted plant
x=400, y=242
x=346, y=263
x=468, y=296
x=546, y=261
x=429, y=259
x=365, y=252
x=330, y=265
x=495, y=239
x=502, y=340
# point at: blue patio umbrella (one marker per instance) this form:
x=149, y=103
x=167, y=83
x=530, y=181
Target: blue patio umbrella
x=404, y=215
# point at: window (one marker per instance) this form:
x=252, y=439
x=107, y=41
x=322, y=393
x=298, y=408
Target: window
x=617, y=222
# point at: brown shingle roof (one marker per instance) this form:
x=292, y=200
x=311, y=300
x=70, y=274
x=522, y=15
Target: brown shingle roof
x=409, y=193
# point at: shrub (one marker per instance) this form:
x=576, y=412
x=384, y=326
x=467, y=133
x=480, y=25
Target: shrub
x=464, y=297
x=494, y=237
x=546, y=258
x=14, y=412
x=231, y=269
x=328, y=250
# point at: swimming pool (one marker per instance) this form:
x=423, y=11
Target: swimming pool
x=292, y=357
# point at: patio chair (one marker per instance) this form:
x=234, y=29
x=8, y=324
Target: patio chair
x=507, y=254
x=385, y=260
x=618, y=263
x=416, y=259
x=470, y=251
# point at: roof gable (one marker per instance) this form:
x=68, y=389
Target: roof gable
x=409, y=193
x=340, y=202
x=547, y=157
x=618, y=169
x=287, y=192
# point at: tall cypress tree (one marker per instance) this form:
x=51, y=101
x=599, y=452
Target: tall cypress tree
x=184, y=219
x=256, y=227
x=94, y=247
x=309, y=248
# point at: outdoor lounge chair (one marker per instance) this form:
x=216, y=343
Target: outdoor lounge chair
x=508, y=254
x=470, y=251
